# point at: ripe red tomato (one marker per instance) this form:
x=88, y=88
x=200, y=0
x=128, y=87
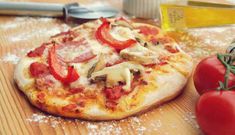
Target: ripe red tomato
x=208, y=73
x=215, y=112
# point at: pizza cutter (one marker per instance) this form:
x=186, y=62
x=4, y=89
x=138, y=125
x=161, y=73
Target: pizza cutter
x=73, y=10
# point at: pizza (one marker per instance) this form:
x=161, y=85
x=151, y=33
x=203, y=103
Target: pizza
x=106, y=69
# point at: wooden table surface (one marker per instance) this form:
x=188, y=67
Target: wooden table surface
x=17, y=116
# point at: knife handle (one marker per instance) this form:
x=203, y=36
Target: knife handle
x=31, y=9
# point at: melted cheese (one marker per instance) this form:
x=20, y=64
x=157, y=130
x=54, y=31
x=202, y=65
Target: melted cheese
x=119, y=73
x=95, y=109
x=82, y=70
x=98, y=48
x=122, y=33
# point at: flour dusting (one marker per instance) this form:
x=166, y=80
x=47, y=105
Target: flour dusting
x=202, y=42
x=30, y=34
x=93, y=128
x=46, y=119
x=144, y=124
x=23, y=21
x=38, y=32
x=114, y=127
x=14, y=56
x=10, y=58
x=190, y=118
x=31, y=28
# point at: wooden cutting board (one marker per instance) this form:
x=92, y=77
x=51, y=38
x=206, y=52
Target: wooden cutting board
x=17, y=116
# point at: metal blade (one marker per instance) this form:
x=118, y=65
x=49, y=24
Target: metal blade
x=92, y=13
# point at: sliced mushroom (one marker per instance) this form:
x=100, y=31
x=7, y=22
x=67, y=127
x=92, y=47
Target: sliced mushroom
x=140, y=54
x=119, y=73
x=100, y=64
x=99, y=78
x=157, y=48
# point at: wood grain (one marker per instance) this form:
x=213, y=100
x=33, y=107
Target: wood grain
x=18, y=117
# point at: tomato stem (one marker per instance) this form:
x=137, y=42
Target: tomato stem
x=221, y=86
x=227, y=61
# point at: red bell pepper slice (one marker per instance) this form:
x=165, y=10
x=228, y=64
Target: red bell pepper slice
x=103, y=35
x=56, y=66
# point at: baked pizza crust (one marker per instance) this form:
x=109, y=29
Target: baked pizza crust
x=170, y=83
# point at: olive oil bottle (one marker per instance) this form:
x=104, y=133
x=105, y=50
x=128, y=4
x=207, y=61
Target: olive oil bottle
x=178, y=17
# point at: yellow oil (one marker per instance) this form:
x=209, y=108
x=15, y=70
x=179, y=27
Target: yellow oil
x=178, y=17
